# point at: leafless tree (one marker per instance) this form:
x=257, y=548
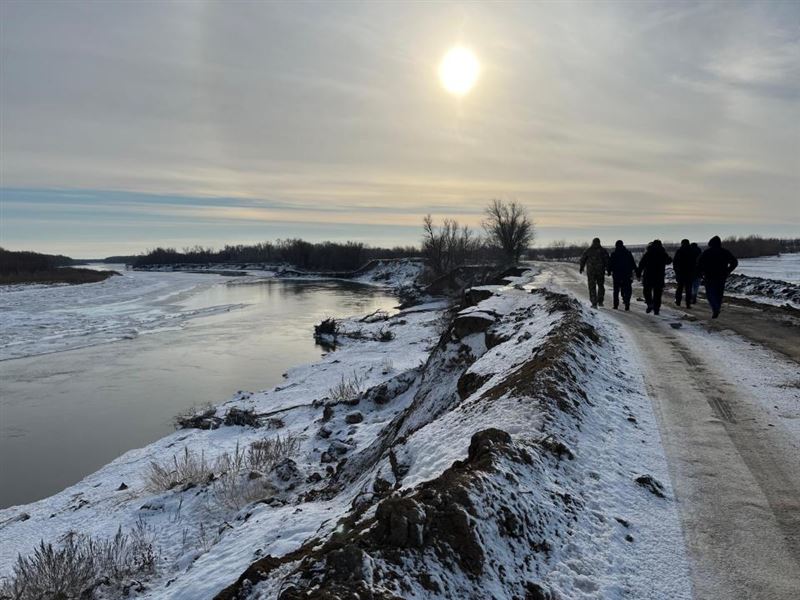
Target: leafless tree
x=509, y=228
x=448, y=246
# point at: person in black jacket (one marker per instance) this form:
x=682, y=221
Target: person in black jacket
x=621, y=267
x=714, y=265
x=685, y=262
x=651, y=270
x=696, y=279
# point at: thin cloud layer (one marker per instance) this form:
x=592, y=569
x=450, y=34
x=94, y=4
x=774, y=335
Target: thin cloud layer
x=327, y=119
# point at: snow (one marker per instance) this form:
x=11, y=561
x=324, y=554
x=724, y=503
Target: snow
x=74, y=316
x=785, y=267
x=611, y=429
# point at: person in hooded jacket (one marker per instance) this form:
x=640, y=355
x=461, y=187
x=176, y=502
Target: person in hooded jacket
x=651, y=270
x=685, y=262
x=595, y=261
x=621, y=267
x=714, y=265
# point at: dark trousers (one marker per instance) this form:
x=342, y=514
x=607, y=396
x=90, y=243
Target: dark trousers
x=715, y=290
x=653, y=290
x=684, y=284
x=624, y=285
x=597, y=288
x=695, y=289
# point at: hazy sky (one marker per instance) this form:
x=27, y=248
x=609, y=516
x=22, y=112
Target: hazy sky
x=130, y=124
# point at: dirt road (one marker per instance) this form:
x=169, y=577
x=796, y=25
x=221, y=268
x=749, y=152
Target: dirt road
x=735, y=473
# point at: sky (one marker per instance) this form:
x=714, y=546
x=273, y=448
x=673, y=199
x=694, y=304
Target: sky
x=126, y=125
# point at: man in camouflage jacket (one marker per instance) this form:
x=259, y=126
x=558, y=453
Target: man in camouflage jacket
x=595, y=261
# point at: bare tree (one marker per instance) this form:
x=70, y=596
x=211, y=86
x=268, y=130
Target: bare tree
x=509, y=228
x=448, y=246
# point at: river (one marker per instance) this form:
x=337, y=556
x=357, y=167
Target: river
x=92, y=371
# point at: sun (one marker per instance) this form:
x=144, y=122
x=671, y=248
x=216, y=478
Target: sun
x=459, y=70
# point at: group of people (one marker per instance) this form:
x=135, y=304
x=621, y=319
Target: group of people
x=691, y=265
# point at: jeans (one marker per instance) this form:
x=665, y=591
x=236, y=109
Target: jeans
x=597, y=288
x=715, y=289
x=624, y=285
x=653, y=290
x=695, y=289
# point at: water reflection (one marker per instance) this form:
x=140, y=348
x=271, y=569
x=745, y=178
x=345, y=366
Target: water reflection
x=66, y=414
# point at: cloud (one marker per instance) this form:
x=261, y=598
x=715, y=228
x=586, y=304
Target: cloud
x=331, y=114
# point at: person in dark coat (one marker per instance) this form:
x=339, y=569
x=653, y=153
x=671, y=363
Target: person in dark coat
x=685, y=262
x=621, y=267
x=714, y=265
x=595, y=261
x=651, y=270
x=696, y=279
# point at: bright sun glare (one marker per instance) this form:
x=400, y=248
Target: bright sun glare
x=459, y=70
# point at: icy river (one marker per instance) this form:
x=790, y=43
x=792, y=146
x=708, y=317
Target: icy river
x=90, y=371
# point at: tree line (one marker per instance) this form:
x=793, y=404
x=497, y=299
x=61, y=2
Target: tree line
x=14, y=263
x=323, y=256
x=749, y=246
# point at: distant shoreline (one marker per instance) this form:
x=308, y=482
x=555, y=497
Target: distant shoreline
x=68, y=275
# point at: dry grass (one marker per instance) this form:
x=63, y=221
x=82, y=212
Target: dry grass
x=186, y=468
x=348, y=389
x=80, y=564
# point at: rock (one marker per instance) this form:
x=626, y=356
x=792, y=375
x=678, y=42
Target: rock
x=286, y=470
x=483, y=442
x=339, y=447
x=651, y=484
x=534, y=591
x=400, y=523
x=469, y=383
x=474, y=322
x=676, y=325
x=557, y=447
x=122, y=487
x=254, y=475
x=314, y=478
x=327, y=413
x=325, y=431
x=353, y=418
x=349, y=563
x=473, y=296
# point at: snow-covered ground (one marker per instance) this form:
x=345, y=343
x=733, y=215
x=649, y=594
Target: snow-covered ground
x=785, y=267
x=389, y=480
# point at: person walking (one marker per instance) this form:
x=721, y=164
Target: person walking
x=696, y=278
x=621, y=267
x=684, y=263
x=595, y=261
x=714, y=266
x=651, y=271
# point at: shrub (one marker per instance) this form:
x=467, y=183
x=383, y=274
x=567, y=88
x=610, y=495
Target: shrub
x=244, y=417
x=194, y=418
x=265, y=454
x=188, y=468
x=80, y=564
x=385, y=335
x=241, y=478
x=348, y=389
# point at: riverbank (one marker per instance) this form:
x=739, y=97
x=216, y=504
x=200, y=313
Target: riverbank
x=61, y=275
x=484, y=449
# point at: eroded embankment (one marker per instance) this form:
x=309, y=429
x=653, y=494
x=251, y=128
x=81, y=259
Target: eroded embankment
x=488, y=483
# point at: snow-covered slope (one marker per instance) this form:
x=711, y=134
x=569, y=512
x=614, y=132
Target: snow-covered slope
x=509, y=451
